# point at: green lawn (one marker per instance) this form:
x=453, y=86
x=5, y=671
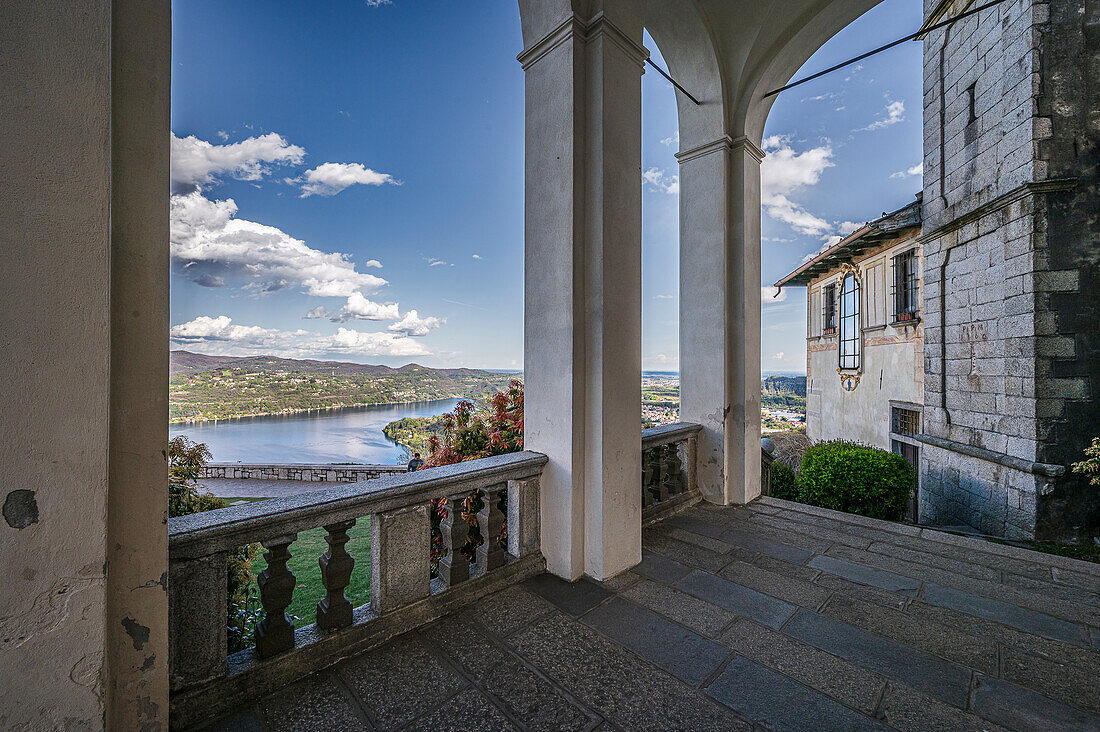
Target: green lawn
x=305, y=551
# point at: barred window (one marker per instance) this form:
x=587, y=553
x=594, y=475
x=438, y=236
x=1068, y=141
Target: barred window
x=904, y=421
x=905, y=286
x=849, y=323
x=828, y=309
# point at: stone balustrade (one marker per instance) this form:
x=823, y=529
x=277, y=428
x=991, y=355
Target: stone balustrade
x=767, y=457
x=206, y=681
x=668, y=469
x=307, y=472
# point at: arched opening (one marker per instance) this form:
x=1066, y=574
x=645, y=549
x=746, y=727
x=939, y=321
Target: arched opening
x=660, y=247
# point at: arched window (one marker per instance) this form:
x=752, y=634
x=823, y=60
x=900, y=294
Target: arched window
x=849, y=322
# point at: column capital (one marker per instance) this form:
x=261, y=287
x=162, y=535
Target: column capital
x=574, y=28
x=725, y=142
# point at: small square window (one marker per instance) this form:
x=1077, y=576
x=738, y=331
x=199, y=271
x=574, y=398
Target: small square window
x=904, y=421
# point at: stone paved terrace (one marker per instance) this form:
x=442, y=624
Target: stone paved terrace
x=767, y=616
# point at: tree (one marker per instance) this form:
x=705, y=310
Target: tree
x=469, y=433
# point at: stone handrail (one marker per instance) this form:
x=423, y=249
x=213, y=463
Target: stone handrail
x=206, y=681
x=668, y=469
x=307, y=472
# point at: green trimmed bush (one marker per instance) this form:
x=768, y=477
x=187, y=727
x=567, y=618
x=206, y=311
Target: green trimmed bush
x=854, y=478
x=784, y=481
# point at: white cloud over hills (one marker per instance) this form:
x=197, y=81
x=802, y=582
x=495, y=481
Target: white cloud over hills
x=219, y=336
x=209, y=241
x=213, y=247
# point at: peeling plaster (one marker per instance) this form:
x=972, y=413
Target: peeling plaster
x=48, y=611
x=138, y=633
x=20, y=509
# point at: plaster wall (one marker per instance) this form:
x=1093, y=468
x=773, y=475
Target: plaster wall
x=892, y=365
x=55, y=359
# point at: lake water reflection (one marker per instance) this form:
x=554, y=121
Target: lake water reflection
x=348, y=435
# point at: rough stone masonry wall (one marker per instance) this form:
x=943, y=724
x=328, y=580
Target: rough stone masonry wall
x=1068, y=289
x=1003, y=367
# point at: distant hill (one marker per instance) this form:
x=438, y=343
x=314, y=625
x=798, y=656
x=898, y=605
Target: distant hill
x=204, y=387
x=186, y=362
x=795, y=385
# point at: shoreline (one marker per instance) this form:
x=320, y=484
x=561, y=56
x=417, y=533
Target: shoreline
x=292, y=412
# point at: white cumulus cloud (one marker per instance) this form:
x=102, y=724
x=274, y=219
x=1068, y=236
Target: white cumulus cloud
x=359, y=307
x=197, y=163
x=660, y=181
x=413, y=325
x=208, y=240
x=784, y=172
x=328, y=179
x=908, y=172
x=894, y=113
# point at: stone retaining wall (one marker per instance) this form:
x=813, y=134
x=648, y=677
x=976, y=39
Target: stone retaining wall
x=308, y=472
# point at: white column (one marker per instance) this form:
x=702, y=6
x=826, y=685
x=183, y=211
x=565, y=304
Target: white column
x=582, y=334
x=720, y=313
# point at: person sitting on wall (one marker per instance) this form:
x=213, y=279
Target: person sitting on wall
x=415, y=464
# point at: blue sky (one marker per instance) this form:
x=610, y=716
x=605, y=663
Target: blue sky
x=348, y=179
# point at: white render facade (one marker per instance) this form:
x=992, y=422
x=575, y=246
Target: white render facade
x=878, y=402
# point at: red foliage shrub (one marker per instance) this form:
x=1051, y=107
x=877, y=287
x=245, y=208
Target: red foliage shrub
x=469, y=433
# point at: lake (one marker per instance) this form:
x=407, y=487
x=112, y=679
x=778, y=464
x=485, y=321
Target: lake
x=348, y=435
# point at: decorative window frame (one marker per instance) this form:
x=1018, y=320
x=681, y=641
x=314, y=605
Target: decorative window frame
x=849, y=378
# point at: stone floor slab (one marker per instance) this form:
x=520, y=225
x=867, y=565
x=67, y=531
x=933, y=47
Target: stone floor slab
x=681, y=652
x=470, y=712
x=690, y=612
x=1018, y=708
x=399, y=681
x=316, y=703
x=572, y=598
x=865, y=574
x=780, y=703
x=856, y=687
x=661, y=569
x=742, y=600
x=790, y=589
x=1025, y=619
x=931, y=675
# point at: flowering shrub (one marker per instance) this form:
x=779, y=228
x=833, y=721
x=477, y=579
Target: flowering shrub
x=471, y=432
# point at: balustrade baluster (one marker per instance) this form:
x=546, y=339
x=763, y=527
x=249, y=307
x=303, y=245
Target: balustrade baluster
x=334, y=609
x=490, y=521
x=454, y=567
x=659, y=490
x=671, y=470
x=275, y=633
x=649, y=477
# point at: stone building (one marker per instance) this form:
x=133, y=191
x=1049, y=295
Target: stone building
x=1006, y=398
x=865, y=337
x=1011, y=267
